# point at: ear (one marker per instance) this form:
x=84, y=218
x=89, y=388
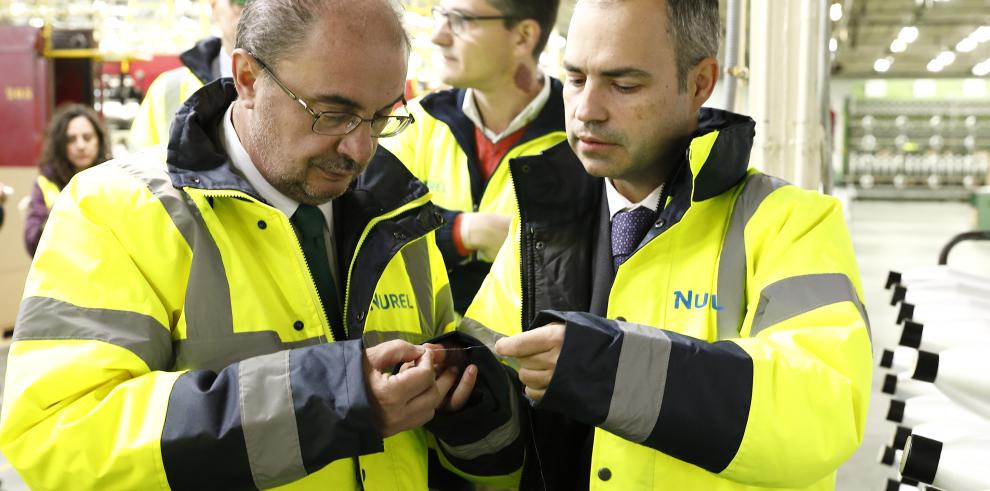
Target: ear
x=527, y=35
x=701, y=81
x=246, y=72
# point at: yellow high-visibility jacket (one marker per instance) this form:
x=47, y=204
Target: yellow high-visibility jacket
x=440, y=150
x=167, y=93
x=730, y=352
x=171, y=335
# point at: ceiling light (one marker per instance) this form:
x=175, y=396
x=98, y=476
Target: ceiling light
x=833, y=45
x=898, y=46
x=835, y=12
x=946, y=58
x=966, y=45
x=981, y=69
x=935, y=66
x=883, y=64
x=981, y=34
x=908, y=34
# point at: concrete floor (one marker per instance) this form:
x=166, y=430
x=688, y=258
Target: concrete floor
x=886, y=235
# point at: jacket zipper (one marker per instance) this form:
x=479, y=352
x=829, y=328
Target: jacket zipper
x=301, y=256
x=422, y=200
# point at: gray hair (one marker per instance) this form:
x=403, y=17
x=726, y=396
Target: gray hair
x=272, y=28
x=695, y=29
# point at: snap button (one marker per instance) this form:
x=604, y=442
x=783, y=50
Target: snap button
x=604, y=474
x=525, y=168
x=659, y=223
x=262, y=225
x=298, y=325
x=540, y=245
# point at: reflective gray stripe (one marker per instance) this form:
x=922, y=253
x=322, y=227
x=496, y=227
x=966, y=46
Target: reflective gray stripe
x=207, y=306
x=487, y=337
x=416, y=255
x=42, y=318
x=374, y=338
x=640, y=380
x=445, y=313
x=269, y=420
x=216, y=353
x=793, y=296
x=732, y=261
x=499, y=438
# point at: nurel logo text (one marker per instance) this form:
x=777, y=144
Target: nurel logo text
x=391, y=301
x=691, y=300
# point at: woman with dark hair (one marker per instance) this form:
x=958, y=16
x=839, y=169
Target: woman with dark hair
x=74, y=141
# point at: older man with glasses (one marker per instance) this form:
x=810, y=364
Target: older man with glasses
x=501, y=107
x=253, y=313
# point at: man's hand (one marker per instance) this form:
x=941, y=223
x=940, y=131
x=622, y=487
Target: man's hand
x=537, y=351
x=484, y=232
x=447, y=357
x=408, y=399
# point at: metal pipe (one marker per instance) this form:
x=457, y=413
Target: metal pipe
x=825, y=97
x=733, y=32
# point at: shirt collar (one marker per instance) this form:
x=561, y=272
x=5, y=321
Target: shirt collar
x=242, y=162
x=617, y=202
x=526, y=116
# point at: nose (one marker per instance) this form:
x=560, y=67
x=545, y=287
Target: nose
x=358, y=145
x=441, y=34
x=588, y=104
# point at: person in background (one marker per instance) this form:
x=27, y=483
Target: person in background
x=75, y=140
x=3, y=199
x=229, y=314
x=681, y=320
x=202, y=64
x=501, y=107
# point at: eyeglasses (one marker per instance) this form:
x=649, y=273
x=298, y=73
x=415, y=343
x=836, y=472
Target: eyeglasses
x=458, y=20
x=336, y=123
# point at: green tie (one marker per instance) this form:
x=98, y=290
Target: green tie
x=309, y=221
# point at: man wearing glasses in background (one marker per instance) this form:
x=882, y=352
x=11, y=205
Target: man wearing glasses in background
x=202, y=64
x=501, y=107
x=232, y=320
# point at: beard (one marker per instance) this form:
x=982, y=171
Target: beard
x=289, y=178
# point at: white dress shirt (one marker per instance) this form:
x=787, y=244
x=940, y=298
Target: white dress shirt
x=526, y=116
x=617, y=202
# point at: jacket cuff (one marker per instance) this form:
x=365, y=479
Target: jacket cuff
x=482, y=438
x=330, y=396
x=445, y=238
x=683, y=396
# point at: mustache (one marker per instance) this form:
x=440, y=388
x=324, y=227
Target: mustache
x=335, y=164
x=597, y=131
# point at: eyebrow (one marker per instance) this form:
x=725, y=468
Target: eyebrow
x=350, y=104
x=613, y=72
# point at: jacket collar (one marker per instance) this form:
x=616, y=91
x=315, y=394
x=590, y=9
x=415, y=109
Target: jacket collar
x=196, y=157
x=446, y=106
x=199, y=59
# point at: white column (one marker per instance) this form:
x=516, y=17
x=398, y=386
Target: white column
x=786, y=42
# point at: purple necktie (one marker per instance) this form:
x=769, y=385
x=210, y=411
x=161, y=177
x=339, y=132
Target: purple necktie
x=628, y=229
